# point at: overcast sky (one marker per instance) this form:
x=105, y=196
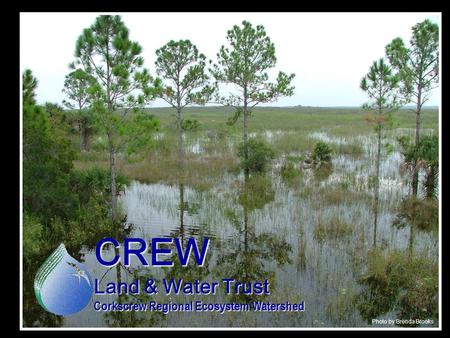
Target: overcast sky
x=328, y=52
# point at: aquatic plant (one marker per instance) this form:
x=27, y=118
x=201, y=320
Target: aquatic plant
x=321, y=153
x=335, y=227
x=289, y=173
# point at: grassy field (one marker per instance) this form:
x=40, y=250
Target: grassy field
x=290, y=129
x=336, y=120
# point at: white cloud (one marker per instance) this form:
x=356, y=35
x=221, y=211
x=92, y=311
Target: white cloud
x=328, y=52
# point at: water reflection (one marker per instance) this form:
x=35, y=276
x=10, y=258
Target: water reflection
x=377, y=188
x=250, y=253
x=132, y=318
x=184, y=232
x=323, y=171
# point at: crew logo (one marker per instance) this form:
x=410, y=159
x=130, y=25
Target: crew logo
x=63, y=285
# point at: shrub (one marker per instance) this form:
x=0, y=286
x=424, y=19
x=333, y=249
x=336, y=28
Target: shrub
x=421, y=214
x=427, y=156
x=397, y=282
x=95, y=181
x=321, y=153
x=289, y=172
x=259, y=155
x=47, y=162
x=33, y=232
x=191, y=125
x=427, y=150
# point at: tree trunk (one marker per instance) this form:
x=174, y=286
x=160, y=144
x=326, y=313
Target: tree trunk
x=246, y=230
x=430, y=181
x=81, y=129
x=181, y=168
x=377, y=188
x=180, y=134
x=87, y=137
x=83, y=136
x=415, y=181
x=112, y=162
x=246, y=168
x=411, y=241
x=118, y=276
x=181, y=175
x=246, y=193
x=182, y=207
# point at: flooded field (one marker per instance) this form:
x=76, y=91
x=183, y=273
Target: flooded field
x=310, y=235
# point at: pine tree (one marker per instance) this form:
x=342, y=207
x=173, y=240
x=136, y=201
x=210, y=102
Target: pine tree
x=182, y=69
x=244, y=63
x=120, y=85
x=418, y=70
x=381, y=87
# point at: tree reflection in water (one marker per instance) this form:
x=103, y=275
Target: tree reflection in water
x=248, y=255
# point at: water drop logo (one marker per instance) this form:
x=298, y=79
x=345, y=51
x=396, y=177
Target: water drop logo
x=63, y=285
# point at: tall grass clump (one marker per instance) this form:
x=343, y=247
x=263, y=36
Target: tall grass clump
x=333, y=228
x=352, y=149
x=289, y=173
x=396, y=281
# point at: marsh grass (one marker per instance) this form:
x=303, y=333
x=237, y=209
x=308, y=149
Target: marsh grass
x=352, y=149
x=340, y=194
x=84, y=165
x=305, y=192
x=219, y=141
x=340, y=307
x=322, y=171
x=302, y=244
x=289, y=142
x=358, y=252
x=200, y=172
x=334, y=228
x=165, y=144
x=397, y=281
x=340, y=121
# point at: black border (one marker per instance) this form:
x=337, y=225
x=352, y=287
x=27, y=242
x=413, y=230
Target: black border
x=12, y=128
